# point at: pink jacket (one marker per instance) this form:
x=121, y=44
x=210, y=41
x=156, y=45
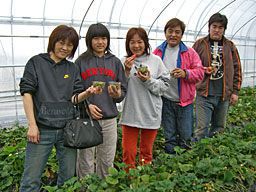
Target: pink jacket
x=188, y=60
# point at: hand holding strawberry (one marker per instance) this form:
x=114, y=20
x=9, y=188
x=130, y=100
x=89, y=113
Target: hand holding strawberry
x=209, y=70
x=129, y=62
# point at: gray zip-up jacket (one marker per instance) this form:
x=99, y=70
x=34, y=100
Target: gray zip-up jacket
x=143, y=104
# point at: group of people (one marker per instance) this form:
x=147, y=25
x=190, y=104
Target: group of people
x=156, y=88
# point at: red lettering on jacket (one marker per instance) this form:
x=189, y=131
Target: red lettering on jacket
x=98, y=71
x=101, y=70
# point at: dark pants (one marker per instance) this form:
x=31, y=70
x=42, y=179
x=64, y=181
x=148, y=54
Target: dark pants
x=211, y=114
x=177, y=122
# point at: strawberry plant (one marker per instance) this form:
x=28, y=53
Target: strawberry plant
x=224, y=163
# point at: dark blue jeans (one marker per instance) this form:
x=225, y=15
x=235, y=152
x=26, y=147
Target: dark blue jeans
x=211, y=113
x=177, y=122
x=38, y=154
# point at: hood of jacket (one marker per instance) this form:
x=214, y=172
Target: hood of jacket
x=46, y=56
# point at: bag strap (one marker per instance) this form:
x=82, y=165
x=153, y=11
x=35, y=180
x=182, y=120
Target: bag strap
x=75, y=101
x=86, y=104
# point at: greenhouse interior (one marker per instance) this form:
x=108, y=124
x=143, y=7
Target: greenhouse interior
x=224, y=161
x=26, y=25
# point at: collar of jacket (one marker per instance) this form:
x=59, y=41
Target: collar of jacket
x=224, y=39
x=182, y=47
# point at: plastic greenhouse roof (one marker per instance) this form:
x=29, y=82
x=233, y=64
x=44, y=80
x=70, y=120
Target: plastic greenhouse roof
x=23, y=19
x=25, y=26
x=126, y=13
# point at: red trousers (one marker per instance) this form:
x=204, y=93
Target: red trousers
x=130, y=137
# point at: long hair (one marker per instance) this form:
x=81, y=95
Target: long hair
x=142, y=34
x=63, y=32
x=97, y=30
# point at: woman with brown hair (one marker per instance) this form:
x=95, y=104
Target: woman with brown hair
x=47, y=86
x=143, y=105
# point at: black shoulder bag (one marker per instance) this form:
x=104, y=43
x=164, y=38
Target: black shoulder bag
x=83, y=132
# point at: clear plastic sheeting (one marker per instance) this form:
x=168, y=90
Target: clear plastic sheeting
x=26, y=24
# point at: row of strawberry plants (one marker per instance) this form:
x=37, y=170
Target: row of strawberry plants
x=223, y=163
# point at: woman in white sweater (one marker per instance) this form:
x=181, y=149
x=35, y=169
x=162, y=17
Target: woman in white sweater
x=142, y=108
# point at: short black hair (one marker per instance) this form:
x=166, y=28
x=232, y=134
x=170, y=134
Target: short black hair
x=219, y=18
x=175, y=22
x=63, y=32
x=97, y=30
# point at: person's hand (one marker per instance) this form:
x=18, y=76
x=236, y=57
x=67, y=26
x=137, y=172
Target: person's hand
x=114, y=91
x=90, y=91
x=98, y=90
x=33, y=134
x=233, y=99
x=95, y=112
x=143, y=76
x=208, y=70
x=98, y=86
x=129, y=63
x=178, y=73
x=87, y=93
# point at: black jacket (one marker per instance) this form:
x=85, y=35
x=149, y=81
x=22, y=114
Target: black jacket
x=51, y=86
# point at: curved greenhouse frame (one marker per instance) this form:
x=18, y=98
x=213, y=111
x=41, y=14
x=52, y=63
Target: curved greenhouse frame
x=25, y=26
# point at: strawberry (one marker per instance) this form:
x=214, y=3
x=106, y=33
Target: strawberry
x=133, y=56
